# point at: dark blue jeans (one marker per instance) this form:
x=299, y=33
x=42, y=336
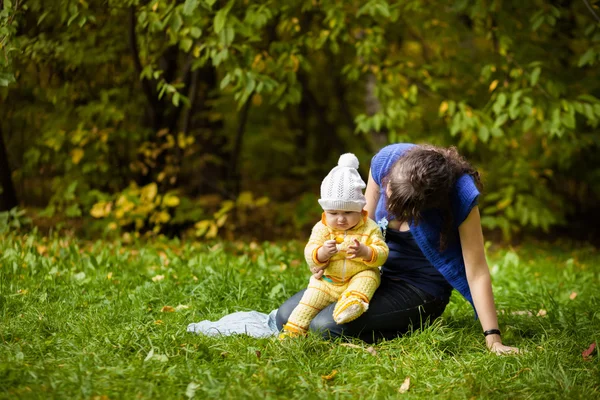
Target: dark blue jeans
x=396, y=308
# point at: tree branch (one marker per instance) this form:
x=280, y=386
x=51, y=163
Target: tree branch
x=589, y=7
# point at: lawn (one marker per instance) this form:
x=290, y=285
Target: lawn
x=88, y=320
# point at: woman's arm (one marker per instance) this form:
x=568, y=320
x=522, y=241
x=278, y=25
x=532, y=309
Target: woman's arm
x=478, y=276
x=372, y=196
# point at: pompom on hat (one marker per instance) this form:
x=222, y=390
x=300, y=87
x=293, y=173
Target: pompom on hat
x=342, y=188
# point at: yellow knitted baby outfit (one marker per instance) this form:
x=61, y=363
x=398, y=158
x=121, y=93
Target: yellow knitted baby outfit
x=349, y=282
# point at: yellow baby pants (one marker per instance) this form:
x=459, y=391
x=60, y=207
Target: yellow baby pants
x=321, y=293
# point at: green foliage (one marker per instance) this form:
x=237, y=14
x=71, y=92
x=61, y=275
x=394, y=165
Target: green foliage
x=204, y=97
x=87, y=319
x=13, y=220
x=9, y=12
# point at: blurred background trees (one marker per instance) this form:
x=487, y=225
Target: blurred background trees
x=209, y=117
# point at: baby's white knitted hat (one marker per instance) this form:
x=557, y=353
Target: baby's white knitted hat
x=342, y=188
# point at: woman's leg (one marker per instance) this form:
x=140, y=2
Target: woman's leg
x=285, y=310
x=396, y=308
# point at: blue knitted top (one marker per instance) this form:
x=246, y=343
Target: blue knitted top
x=449, y=262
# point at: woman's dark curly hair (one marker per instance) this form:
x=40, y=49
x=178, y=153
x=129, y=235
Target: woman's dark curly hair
x=423, y=178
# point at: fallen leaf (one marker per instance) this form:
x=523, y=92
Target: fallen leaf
x=528, y=313
x=181, y=307
x=158, y=278
x=150, y=355
x=167, y=309
x=258, y=354
x=588, y=353
x=158, y=322
x=330, y=376
x=369, y=349
x=520, y=371
x=573, y=295
x=405, y=385
x=160, y=357
x=542, y=313
x=190, y=391
x=351, y=345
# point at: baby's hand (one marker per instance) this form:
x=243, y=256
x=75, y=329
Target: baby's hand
x=359, y=250
x=326, y=251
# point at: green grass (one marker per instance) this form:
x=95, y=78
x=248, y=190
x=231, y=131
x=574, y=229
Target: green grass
x=79, y=320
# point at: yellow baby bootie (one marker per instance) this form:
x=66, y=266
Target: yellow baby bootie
x=349, y=307
x=291, y=331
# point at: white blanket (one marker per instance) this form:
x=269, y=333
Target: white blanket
x=251, y=323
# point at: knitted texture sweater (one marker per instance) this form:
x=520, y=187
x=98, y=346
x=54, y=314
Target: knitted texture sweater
x=464, y=197
x=339, y=269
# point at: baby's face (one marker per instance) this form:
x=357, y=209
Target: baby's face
x=342, y=220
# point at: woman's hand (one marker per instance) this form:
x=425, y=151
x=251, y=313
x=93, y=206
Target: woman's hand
x=500, y=349
x=317, y=272
x=494, y=344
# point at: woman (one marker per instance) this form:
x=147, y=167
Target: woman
x=425, y=200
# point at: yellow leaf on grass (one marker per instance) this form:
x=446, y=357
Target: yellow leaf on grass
x=351, y=345
x=542, y=313
x=158, y=278
x=330, y=376
x=369, y=349
x=405, y=385
x=573, y=295
x=167, y=309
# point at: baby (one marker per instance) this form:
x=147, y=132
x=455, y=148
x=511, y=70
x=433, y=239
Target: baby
x=344, y=252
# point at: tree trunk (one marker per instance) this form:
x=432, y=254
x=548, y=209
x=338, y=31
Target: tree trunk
x=8, y=198
x=234, y=171
x=373, y=106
